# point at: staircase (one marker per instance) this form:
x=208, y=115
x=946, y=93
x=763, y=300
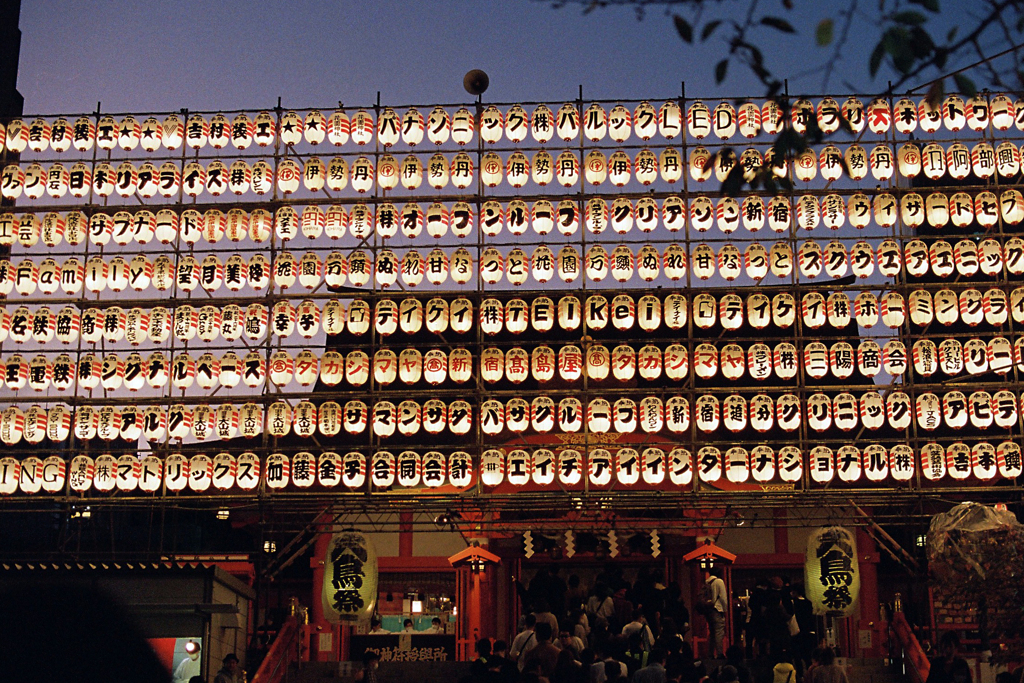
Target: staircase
x=871, y=670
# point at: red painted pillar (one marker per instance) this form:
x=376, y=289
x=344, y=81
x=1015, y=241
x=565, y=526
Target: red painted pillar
x=405, y=534
x=477, y=600
x=867, y=555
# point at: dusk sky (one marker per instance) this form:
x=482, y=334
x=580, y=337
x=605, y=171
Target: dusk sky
x=152, y=56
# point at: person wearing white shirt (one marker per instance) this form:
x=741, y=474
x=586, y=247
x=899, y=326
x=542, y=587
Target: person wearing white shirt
x=191, y=665
x=639, y=623
x=435, y=627
x=524, y=642
x=718, y=604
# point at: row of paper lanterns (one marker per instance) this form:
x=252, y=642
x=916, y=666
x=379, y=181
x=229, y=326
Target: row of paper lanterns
x=172, y=179
x=208, y=323
x=627, y=466
x=567, y=123
x=410, y=316
x=410, y=366
x=362, y=222
x=730, y=414
x=386, y=268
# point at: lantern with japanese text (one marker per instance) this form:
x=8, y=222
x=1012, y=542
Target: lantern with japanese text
x=832, y=572
x=350, y=578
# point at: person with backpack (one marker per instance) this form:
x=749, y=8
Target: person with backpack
x=639, y=625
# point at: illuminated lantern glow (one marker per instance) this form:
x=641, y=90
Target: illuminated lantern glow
x=462, y=126
x=438, y=126
x=492, y=467
x=627, y=466
x=831, y=571
x=491, y=124
x=983, y=160
x=349, y=593
x=709, y=464
x=388, y=127
x=595, y=122
x=1003, y=112
x=599, y=467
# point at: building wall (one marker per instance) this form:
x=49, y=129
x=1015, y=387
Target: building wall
x=227, y=631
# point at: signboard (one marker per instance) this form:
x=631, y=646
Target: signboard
x=404, y=648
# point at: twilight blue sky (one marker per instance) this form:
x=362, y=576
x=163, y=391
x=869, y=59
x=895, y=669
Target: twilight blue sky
x=159, y=56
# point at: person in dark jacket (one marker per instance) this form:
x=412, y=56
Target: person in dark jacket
x=950, y=667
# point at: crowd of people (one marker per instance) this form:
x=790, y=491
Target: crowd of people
x=615, y=631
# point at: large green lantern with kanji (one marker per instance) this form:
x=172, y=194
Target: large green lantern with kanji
x=350, y=578
x=831, y=572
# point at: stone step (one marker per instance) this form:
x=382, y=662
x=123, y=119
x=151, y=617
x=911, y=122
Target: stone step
x=389, y=672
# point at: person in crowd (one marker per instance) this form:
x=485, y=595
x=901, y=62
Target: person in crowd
x=567, y=641
x=503, y=669
x=783, y=671
x=580, y=625
x=641, y=588
x=533, y=674
x=726, y=674
x=576, y=595
x=623, y=609
x=718, y=603
x=587, y=658
x=778, y=610
x=545, y=654
x=538, y=588
x=604, y=656
x=827, y=670
x=601, y=605
x=556, y=592
x=816, y=658
x=654, y=672
x=654, y=606
x=567, y=669
x=734, y=659
x=639, y=625
x=673, y=673
x=681, y=660
x=600, y=637
x=376, y=629
x=950, y=667
x=613, y=674
x=670, y=638
x=525, y=641
x=368, y=674
x=756, y=605
x=804, y=641
x=229, y=672
x=479, y=668
x=545, y=615
x=435, y=626
x=636, y=656
x=676, y=608
x=407, y=626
